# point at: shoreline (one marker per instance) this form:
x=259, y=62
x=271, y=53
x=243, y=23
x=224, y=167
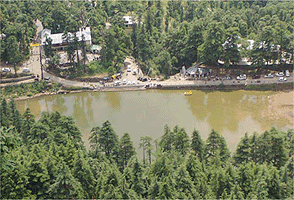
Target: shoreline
x=284, y=87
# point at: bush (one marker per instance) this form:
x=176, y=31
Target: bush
x=221, y=85
x=95, y=67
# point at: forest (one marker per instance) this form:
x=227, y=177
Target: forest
x=168, y=34
x=47, y=159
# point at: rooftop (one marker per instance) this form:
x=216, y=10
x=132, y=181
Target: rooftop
x=58, y=37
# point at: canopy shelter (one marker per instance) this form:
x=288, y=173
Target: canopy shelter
x=95, y=48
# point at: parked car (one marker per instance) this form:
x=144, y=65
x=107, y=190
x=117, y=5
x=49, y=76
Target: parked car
x=282, y=79
x=129, y=83
x=134, y=72
x=6, y=69
x=256, y=76
x=280, y=74
x=287, y=73
x=129, y=69
x=134, y=82
x=26, y=70
x=47, y=79
x=116, y=83
x=269, y=76
x=124, y=81
x=144, y=79
x=106, y=78
x=241, y=77
x=118, y=75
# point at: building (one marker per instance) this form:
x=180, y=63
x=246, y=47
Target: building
x=58, y=40
x=129, y=21
x=197, y=71
x=95, y=49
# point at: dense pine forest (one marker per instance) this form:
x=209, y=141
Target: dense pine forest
x=47, y=159
x=168, y=34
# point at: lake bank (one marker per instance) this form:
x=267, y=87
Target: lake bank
x=286, y=87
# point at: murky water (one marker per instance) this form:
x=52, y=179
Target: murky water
x=143, y=113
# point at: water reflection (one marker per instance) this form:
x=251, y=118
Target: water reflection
x=90, y=109
x=146, y=112
x=59, y=104
x=113, y=98
x=79, y=110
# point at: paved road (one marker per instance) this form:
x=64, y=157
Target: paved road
x=66, y=82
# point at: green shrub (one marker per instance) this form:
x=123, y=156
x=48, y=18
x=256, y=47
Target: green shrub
x=95, y=67
x=221, y=85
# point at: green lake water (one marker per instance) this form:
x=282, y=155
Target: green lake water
x=142, y=113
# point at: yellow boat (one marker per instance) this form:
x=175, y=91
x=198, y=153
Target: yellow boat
x=188, y=93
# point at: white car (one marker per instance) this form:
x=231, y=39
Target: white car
x=124, y=81
x=129, y=83
x=287, y=73
x=280, y=74
x=269, y=76
x=134, y=82
x=282, y=79
x=26, y=70
x=6, y=69
x=116, y=83
x=241, y=77
x=129, y=69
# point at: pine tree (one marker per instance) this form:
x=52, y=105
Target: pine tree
x=14, y=181
x=167, y=140
x=278, y=153
x=38, y=181
x=184, y=185
x=65, y=186
x=181, y=141
x=94, y=141
x=126, y=150
x=147, y=147
x=27, y=124
x=242, y=153
x=215, y=143
x=15, y=116
x=274, y=185
x=166, y=189
x=108, y=140
x=4, y=113
x=82, y=172
x=254, y=147
x=39, y=133
x=136, y=177
x=197, y=144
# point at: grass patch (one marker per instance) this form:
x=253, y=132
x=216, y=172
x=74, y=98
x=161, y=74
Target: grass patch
x=28, y=89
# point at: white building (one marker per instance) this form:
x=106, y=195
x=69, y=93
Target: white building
x=58, y=40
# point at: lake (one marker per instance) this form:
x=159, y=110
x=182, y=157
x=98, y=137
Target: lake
x=142, y=113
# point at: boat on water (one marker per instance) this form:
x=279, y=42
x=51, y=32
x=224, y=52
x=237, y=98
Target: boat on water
x=188, y=93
